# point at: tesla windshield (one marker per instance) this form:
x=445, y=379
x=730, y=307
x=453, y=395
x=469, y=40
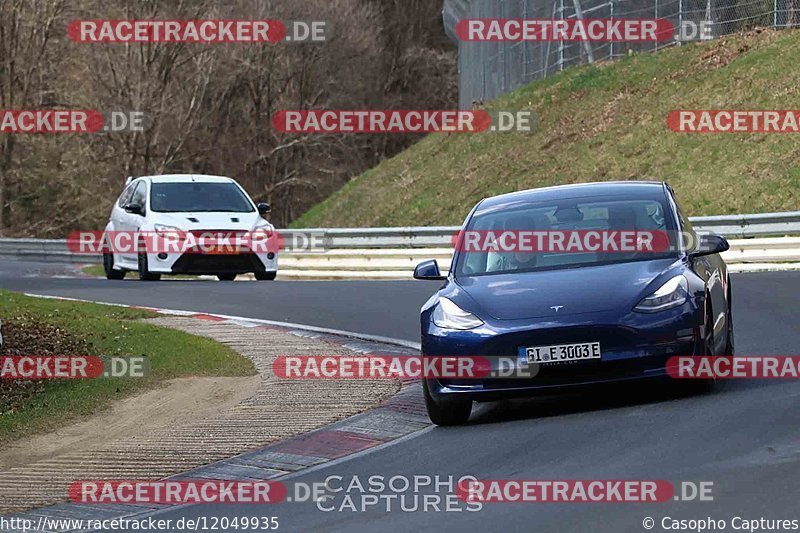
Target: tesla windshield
x=540, y=233
x=194, y=197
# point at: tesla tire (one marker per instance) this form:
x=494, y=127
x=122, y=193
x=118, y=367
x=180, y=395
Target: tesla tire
x=730, y=347
x=703, y=386
x=446, y=413
x=226, y=277
x=265, y=276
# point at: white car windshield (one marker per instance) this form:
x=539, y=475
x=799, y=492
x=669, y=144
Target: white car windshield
x=193, y=197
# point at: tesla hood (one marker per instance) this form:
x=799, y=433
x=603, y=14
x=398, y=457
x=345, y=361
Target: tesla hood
x=576, y=290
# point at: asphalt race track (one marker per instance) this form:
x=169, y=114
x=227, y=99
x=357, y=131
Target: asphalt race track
x=744, y=437
x=386, y=308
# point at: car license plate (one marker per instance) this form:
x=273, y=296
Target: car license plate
x=563, y=353
x=221, y=249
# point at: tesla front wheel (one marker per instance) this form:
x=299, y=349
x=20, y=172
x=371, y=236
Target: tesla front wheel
x=446, y=413
x=729, y=347
x=265, y=276
x=703, y=386
x=226, y=277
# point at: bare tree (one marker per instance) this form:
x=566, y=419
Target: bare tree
x=209, y=106
x=26, y=29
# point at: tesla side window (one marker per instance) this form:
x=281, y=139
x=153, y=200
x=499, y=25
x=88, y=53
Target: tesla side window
x=193, y=197
x=687, y=231
x=567, y=215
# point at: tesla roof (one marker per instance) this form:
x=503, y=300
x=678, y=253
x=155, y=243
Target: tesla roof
x=576, y=190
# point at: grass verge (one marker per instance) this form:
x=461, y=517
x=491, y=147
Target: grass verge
x=103, y=331
x=600, y=122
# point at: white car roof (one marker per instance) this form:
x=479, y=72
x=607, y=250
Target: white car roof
x=183, y=178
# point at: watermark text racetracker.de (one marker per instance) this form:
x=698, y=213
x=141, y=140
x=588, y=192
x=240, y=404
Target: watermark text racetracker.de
x=403, y=121
x=734, y=367
x=374, y=366
x=617, y=240
x=581, y=30
x=583, y=491
x=72, y=367
x=199, y=31
x=604, y=30
x=733, y=121
x=564, y=241
x=176, y=492
x=72, y=121
x=176, y=241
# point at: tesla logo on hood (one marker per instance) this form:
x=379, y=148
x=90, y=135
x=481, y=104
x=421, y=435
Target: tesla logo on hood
x=556, y=307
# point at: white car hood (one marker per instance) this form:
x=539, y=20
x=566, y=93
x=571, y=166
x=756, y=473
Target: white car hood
x=209, y=221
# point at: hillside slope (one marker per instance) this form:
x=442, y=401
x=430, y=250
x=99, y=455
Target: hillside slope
x=605, y=122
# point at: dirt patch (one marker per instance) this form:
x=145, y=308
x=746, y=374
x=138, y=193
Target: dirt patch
x=26, y=336
x=606, y=118
x=179, y=400
x=728, y=48
x=721, y=54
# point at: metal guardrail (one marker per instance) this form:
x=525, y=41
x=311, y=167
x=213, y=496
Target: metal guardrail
x=744, y=226
x=391, y=253
x=51, y=250
x=773, y=253
x=730, y=226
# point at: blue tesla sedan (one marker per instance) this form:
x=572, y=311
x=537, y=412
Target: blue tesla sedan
x=595, y=314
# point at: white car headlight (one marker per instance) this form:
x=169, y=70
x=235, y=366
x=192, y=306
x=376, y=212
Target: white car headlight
x=161, y=229
x=450, y=316
x=262, y=230
x=671, y=294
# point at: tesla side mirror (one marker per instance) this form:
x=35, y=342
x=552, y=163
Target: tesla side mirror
x=428, y=270
x=710, y=244
x=134, y=209
x=263, y=208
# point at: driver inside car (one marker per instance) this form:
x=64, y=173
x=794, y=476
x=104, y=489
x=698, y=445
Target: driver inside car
x=505, y=261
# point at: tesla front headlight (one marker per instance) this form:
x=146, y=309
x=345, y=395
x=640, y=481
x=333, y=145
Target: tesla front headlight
x=671, y=294
x=450, y=316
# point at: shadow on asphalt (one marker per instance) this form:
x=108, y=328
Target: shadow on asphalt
x=605, y=398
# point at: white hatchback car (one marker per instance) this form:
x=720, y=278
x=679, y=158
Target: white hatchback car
x=186, y=204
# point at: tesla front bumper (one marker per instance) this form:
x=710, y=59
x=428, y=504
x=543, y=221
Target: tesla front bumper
x=634, y=347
